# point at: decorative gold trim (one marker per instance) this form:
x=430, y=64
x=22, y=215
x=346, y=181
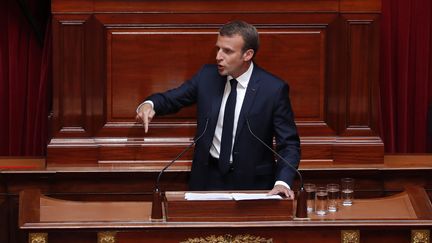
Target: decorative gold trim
x=420, y=236
x=350, y=236
x=107, y=237
x=229, y=239
x=38, y=238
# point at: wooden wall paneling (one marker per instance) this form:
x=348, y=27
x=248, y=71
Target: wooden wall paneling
x=307, y=235
x=72, y=152
x=334, y=72
x=4, y=218
x=79, y=6
x=227, y=6
x=157, y=154
x=129, y=80
x=4, y=212
x=298, y=49
x=67, y=236
x=127, y=52
x=362, y=76
x=359, y=92
x=69, y=89
x=142, y=61
x=298, y=56
x=275, y=234
x=95, y=56
x=14, y=234
x=363, y=150
x=214, y=20
x=371, y=6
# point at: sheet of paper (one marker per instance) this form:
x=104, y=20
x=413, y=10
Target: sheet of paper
x=208, y=196
x=228, y=196
x=254, y=196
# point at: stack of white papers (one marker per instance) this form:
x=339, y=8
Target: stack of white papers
x=254, y=196
x=207, y=196
x=229, y=196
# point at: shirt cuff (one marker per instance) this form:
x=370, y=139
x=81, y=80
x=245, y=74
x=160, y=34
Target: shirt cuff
x=282, y=183
x=145, y=102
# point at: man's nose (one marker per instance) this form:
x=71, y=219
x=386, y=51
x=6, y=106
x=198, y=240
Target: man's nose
x=218, y=56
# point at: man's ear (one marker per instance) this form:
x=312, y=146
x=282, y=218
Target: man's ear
x=248, y=55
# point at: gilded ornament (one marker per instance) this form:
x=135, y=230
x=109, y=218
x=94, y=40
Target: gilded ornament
x=107, y=237
x=350, y=236
x=420, y=236
x=38, y=237
x=229, y=239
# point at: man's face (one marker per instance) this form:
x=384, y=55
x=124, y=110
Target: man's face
x=230, y=58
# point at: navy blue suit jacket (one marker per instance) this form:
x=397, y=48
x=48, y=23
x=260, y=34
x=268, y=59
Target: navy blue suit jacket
x=267, y=107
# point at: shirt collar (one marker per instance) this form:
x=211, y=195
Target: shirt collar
x=243, y=79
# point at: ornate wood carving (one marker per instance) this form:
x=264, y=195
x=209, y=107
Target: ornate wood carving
x=107, y=237
x=350, y=236
x=108, y=57
x=229, y=239
x=38, y=237
x=420, y=236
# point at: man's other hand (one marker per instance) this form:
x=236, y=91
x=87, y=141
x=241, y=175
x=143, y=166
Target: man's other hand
x=145, y=115
x=282, y=191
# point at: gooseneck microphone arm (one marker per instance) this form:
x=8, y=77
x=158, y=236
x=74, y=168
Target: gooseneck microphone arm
x=276, y=153
x=301, y=210
x=181, y=154
x=156, y=213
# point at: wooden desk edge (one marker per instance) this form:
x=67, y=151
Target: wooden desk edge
x=420, y=202
x=29, y=207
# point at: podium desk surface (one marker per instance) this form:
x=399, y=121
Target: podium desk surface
x=36, y=211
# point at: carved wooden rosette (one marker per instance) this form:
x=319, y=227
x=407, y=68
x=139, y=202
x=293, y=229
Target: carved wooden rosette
x=420, y=236
x=350, y=236
x=229, y=239
x=38, y=238
x=107, y=237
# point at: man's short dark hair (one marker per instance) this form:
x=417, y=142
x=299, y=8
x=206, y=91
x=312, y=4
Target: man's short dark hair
x=245, y=30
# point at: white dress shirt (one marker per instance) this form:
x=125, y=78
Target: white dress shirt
x=242, y=83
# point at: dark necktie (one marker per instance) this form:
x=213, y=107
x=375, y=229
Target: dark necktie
x=227, y=129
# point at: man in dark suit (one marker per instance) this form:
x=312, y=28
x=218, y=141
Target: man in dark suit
x=230, y=95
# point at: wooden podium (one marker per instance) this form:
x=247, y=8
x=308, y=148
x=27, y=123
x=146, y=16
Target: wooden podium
x=408, y=214
x=178, y=209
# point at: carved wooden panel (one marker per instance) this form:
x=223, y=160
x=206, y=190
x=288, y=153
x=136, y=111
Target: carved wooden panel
x=144, y=61
x=137, y=66
x=69, y=101
x=362, y=77
x=109, y=56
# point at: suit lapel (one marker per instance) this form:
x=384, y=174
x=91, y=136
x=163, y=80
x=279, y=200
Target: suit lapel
x=216, y=102
x=251, y=91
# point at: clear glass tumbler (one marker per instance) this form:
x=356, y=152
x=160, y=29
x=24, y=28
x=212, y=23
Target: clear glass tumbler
x=321, y=198
x=310, y=191
x=333, y=192
x=347, y=191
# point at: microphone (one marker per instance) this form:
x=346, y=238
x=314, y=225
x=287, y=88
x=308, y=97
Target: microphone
x=157, y=195
x=301, y=211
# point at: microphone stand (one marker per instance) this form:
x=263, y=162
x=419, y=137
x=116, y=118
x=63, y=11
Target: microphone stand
x=301, y=208
x=156, y=214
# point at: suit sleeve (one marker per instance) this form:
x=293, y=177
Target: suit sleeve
x=173, y=100
x=287, y=139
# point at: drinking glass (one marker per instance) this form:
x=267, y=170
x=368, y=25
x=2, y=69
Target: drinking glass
x=333, y=192
x=321, y=197
x=310, y=191
x=347, y=189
